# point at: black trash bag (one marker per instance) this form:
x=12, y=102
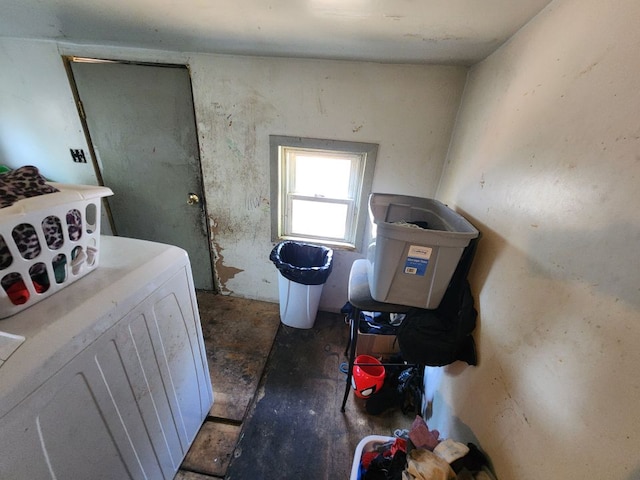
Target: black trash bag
x=302, y=262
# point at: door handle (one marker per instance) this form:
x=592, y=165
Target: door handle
x=193, y=199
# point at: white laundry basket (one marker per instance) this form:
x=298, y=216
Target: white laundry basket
x=367, y=444
x=47, y=242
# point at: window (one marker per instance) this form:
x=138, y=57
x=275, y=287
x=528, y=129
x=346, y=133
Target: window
x=319, y=189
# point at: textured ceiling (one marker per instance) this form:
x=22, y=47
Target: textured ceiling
x=408, y=31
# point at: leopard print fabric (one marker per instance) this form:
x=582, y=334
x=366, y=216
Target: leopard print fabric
x=74, y=224
x=5, y=255
x=27, y=242
x=52, y=232
x=23, y=182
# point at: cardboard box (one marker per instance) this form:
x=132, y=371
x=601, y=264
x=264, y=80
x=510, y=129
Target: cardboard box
x=377, y=345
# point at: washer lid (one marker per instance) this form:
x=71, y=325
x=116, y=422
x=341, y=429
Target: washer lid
x=40, y=340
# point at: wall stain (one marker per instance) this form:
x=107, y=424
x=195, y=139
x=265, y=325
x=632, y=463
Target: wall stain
x=588, y=69
x=321, y=108
x=256, y=201
x=233, y=147
x=224, y=273
x=238, y=216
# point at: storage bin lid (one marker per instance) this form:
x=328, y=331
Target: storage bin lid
x=394, y=212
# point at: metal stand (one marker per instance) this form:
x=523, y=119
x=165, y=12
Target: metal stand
x=361, y=300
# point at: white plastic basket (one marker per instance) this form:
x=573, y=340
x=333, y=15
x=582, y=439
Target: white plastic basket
x=367, y=444
x=48, y=242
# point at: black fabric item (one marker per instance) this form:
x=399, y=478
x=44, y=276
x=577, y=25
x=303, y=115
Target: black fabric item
x=302, y=262
x=403, y=388
x=378, y=323
x=389, y=396
x=411, y=386
x=398, y=464
x=387, y=468
x=472, y=461
x=443, y=335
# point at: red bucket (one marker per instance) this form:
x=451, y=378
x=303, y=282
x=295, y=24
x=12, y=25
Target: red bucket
x=367, y=379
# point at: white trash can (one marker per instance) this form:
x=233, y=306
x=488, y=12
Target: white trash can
x=303, y=271
x=298, y=303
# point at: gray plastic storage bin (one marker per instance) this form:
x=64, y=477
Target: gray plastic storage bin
x=415, y=246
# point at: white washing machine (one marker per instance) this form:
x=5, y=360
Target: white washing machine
x=108, y=378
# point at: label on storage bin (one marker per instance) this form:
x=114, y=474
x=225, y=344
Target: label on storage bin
x=417, y=260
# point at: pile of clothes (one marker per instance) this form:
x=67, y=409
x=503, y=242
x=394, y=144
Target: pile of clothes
x=21, y=183
x=419, y=454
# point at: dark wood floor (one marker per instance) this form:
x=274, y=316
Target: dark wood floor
x=277, y=395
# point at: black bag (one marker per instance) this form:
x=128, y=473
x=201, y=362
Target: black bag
x=441, y=336
x=302, y=263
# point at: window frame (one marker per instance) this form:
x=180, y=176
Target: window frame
x=281, y=195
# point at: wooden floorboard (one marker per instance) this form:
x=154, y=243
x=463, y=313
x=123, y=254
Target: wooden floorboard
x=295, y=428
x=277, y=397
x=186, y=475
x=238, y=337
x=212, y=449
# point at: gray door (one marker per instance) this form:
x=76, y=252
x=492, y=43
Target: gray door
x=142, y=127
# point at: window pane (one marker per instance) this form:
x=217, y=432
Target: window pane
x=320, y=189
x=319, y=219
x=323, y=176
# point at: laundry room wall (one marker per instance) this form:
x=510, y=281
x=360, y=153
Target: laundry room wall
x=545, y=161
x=39, y=121
x=409, y=110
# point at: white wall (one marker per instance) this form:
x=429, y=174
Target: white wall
x=545, y=161
x=239, y=101
x=407, y=110
x=38, y=118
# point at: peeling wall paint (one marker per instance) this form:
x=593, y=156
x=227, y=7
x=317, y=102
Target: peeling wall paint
x=224, y=273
